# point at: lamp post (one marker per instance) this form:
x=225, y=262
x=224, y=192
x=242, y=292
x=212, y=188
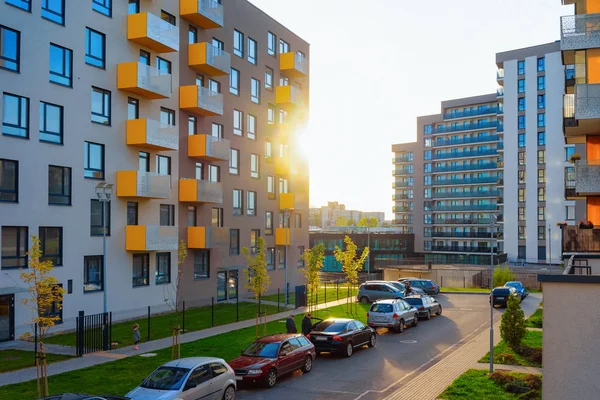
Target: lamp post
x=104, y=192
x=288, y=241
x=550, y=246
x=369, y=256
x=492, y=227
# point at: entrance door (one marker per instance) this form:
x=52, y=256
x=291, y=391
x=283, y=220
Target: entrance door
x=7, y=317
x=232, y=280
x=222, y=286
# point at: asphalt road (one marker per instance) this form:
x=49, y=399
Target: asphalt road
x=374, y=373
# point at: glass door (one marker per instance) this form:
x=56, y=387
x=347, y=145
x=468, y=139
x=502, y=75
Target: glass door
x=233, y=284
x=222, y=286
x=7, y=317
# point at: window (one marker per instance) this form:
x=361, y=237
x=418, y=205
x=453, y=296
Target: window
x=143, y=161
x=521, y=122
x=427, y=180
x=541, y=138
x=282, y=116
x=254, y=235
x=97, y=217
x=521, y=67
x=271, y=187
x=199, y=80
x=9, y=181
x=521, y=175
x=163, y=268
x=521, y=158
x=283, y=185
x=15, y=246
x=234, y=242
x=61, y=65
x=541, y=176
x=281, y=256
x=298, y=221
x=217, y=217
x=214, y=173
x=92, y=274
x=134, y=7
x=541, y=83
x=132, y=213
x=192, y=35
x=570, y=213
x=254, y=166
x=522, y=140
x=283, y=80
x=270, y=258
x=218, y=44
x=145, y=57
x=284, y=46
x=255, y=91
x=238, y=43
x=521, y=213
x=102, y=6
x=541, y=120
x=163, y=165
x=238, y=202
x=427, y=154
x=521, y=86
x=300, y=258
x=272, y=44
x=234, y=162
x=271, y=114
x=541, y=213
x=252, y=51
x=542, y=194
x=214, y=86
x=201, y=264
x=428, y=129
x=251, y=133
x=165, y=16
x=541, y=233
x=167, y=215
x=269, y=78
x=10, y=49
x=217, y=130
x=22, y=4
x=192, y=219
x=51, y=243
x=238, y=122
x=268, y=150
x=569, y=151
x=15, y=116
x=521, y=103
x=251, y=204
x=199, y=171
x=59, y=185
x=133, y=108
x=268, y=222
x=234, y=82
x=541, y=64
x=521, y=234
x=94, y=161
x=167, y=117
x=141, y=270
x=541, y=156
x=522, y=194
x=100, y=106
x=192, y=125
x=95, y=48
x=541, y=101
x=51, y=123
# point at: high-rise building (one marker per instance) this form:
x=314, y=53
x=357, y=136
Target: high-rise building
x=189, y=108
x=446, y=183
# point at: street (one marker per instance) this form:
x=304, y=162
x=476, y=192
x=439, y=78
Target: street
x=375, y=373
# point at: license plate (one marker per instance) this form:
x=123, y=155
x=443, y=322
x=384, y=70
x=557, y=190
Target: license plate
x=238, y=378
x=499, y=298
x=382, y=319
x=320, y=338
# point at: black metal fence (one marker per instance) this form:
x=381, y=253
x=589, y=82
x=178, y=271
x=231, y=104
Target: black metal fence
x=93, y=332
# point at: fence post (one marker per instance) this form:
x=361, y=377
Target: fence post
x=237, y=308
x=442, y=281
x=110, y=328
x=213, y=312
x=105, y=343
x=277, y=299
x=464, y=281
x=183, y=317
x=148, y=323
x=80, y=334
x=337, y=288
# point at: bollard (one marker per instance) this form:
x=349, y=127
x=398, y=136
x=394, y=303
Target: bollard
x=277, y=299
x=325, y=292
x=183, y=317
x=337, y=289
x=213, y=312
x=148, y=323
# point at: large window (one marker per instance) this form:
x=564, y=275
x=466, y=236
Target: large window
x=51, y=123
x=141, y=270
x=95, y=48
x=163, y=268
x=521, y=86
x=251, y=128
x=234, y=242
x=542, y=101
x=94, y=161
x=254, y=235
x=521, y=67
x=59, y=185
x=270, y=258
x=92, y=274
x=51, y=239
x=14, y=246
x=234, y=82
x=132, y=213
x=521, y=140
x=271, y=187
x=281, y=257
x=541, y=156
x=163, y=65
x=100, y=106
x=192, y=216
x=521, y=121
x=541, y=120
x=133, y=7
x=238, y=122
x=284, y=47
x=102, y=6
x=234, y=162
x=252, y=51
x=15, y=116
x=541, y=64
x=217, y=130
x=238, y=43
x=97, y=218
x=22, y=4
x=214, y=173
x=521, y=103
x=163, y=165
x=254, y=166
x=217, y=217
x=192, y=35
x=569, y=151
x=255, y=90
x=541, y=213
x=167, y=215
x=541, y=83
x=542, y=194
x=541, y=138
x=251, y=203
x=541, y=176
x=133, y=108
x=143, y=161
x=271, y=114
x=165, y=16
x=9, y=181
x=167, y=117
x=268, y=222
x=272, y=44
x=201, y=264
x=238, y=202
x=300, y=263
x=61, y=65
x=521, y=213
x=269, y=78
x=10, y=49
x=521, y=194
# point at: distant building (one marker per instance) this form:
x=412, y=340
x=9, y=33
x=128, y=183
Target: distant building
x=328, y=215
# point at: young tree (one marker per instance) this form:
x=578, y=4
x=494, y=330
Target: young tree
x=341, y=221
x=512, y=326
x=373, y=222
x=44, y=294
x=364, y=222
x=314, y=263
x=174, y=299
x=257, y=277
x=351, y=264
x=503, y=275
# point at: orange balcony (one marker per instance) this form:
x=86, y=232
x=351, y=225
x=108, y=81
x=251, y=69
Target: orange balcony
x=207, y=237
x=287, y=201
x=288, y=96
x=150, y=31
x=208, y=59
x=198, y=191
x=151, y=134
x=143, y=185
x=208, y=147
x=207, y=14
x=293, y=65
x=282, y=166
x=284, y=236
x=144, y=80
x=150, y=238
x=200, y=100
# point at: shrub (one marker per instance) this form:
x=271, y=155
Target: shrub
x=517, y=386
x=506, y=358
x=512, y=326
x=503, y=275
x=501, y=378
x=534, y=381
x=530, y=353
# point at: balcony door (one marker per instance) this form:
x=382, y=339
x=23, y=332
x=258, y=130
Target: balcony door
x=7, y=317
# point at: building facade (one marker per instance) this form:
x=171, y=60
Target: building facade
x=328, y=215
x=189, y=109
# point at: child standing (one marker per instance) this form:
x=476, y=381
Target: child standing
x=136, y=336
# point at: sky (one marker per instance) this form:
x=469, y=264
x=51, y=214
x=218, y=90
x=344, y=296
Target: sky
x=375, y=65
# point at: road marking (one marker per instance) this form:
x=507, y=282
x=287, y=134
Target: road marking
x=408, y=341
x=148, y=355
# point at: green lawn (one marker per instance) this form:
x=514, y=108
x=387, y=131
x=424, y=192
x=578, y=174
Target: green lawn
x=475, y=384
x=120, y=376
x=11, y=360
x=160, y=325
x=532, y=339
x=536, y=320
x=333, y=293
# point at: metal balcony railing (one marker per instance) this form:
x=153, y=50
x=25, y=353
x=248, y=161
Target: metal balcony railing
x=472, y=207
x=462, y=249
x=472, y=113
x=471, y=153
x=466, y=127
x=468, y=167
x=587, y=177
x=489, y=193
x=467, y=140
x=471, y=235
x=467, y=181
x=462, y=221
x=403, y=158
x=580, y=32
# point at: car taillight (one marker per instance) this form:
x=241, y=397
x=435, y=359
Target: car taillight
x=308, y=336
x=395, y=316
x=421, y=308
x=367, y=315
x=336, y=338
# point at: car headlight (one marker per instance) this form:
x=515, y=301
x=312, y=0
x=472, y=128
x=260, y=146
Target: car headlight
x=254, y=372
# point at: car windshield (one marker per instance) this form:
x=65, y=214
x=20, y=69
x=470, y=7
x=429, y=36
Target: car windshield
x=513, y=284
x=262, y=349
x=382, y=308
x=166, y=378
x=330, y=326
x=398, y=285
x=501, y=292
x=414, y=302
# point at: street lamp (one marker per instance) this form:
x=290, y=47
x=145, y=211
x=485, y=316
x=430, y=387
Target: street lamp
x=492, y=228
x=287, y=213
x=550, y=246
x=104, y=192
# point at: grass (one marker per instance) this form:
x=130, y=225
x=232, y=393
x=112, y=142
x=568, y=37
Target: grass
x=12, y=360
x=532, y=339
x=476, y=384
x=160, y=325
x=127, y=373
x=332, y=294
x=536, y=320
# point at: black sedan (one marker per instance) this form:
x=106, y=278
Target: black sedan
x=341, y=335
x=426, y=305
x=501, y=294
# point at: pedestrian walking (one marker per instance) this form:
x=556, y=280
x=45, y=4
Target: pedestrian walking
x=290, y=324
x=136, y=336
x=306, y=324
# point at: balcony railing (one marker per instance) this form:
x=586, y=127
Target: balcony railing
x=200, y=100
x=402, y=171
x=468, y=167
x=570, y=186
x=143, y=184
x=461, y=221
x=401, y=184
x=153, y=32
x=285, y=236
x=500, y=146
x=466, y=127
x=500, y=128
x=404, y=158
x=467, y=140
x=288, y=96
x=587, y=102
x=465, y=181
x=398, y=209
x=490, y=193
x=207, y=14
x=209, y=147
x=400, y=197
x=471, y=153
x=472, y=113
x=208, y=59
x=151, y=134
x=207, y=237
x=471, y=235
x=580, y=32
x=587, y=177
x=142, y=79
x=473, y=207
x=462, y=249
x=200, y=191
x=578, y=240
x=293, y=65
x=150, y=238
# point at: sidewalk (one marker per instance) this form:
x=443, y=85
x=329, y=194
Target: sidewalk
x=102, y=357
x=30, y=346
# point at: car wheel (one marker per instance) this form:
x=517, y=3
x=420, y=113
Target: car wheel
x=416, y=320
x=308, y=364
x=349, y=350
x=271, y=379
x=400, y=328
x=229, y=393
x=373, y=340
x=439, y=311
x=428, y=315
x=364, y=300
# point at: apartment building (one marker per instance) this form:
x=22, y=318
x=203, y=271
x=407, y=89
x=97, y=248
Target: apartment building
x=189, y=109
x=328, y=215
x=536, y=160
x=446, y=183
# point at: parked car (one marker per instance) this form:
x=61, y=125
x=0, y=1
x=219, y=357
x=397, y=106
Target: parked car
x=400, y=286
x=270, y=357
x=521, y=289
x=392, y=314
x=187, y=379
x=425, y=305
x=342, y=335
x=428, y=286
x=500, y=295
x=79, y=396
x=372, y=291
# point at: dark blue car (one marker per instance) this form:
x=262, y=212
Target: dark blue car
x=522, y=290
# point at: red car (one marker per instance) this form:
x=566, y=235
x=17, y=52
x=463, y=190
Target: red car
x=269, y=357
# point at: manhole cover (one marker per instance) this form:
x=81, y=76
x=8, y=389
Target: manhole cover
x=408, y=341
x=148, y=355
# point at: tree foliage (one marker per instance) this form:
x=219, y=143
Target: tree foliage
x=503, y=275
x=313, y=259
x=351, y=263
x=257, y=277
x=512, y=326
x=341, y=221
x=370, y=222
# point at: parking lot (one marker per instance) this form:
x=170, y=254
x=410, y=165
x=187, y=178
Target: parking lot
x=374, y=373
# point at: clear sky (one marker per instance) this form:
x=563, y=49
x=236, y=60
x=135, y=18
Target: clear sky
x=378, y=64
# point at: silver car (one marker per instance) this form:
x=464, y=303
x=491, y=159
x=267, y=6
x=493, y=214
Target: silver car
x=392, y=314
x=205, y=378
